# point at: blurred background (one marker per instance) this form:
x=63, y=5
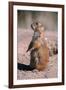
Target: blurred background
x=48, y=19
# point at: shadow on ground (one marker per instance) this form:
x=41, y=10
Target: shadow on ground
x=24, y=67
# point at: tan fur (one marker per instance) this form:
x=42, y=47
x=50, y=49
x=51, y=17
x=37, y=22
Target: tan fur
x=40, y=52
x=43, y=58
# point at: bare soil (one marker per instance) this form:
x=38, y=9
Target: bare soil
x=24, y=38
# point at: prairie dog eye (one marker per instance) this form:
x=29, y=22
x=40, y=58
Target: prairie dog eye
x=38, y=23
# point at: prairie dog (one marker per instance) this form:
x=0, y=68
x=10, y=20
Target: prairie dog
x=38, y=46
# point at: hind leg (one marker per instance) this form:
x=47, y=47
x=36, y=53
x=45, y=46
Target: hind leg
x=42, y=64
x=40, y=67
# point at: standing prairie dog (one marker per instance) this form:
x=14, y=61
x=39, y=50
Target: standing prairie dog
x=38, y=46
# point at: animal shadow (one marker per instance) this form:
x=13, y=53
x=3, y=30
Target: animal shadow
x=24, y=67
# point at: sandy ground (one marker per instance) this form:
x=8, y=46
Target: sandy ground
x=24, y=38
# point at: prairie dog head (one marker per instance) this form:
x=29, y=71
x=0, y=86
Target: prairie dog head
x=37, y=26
x=38, y=29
